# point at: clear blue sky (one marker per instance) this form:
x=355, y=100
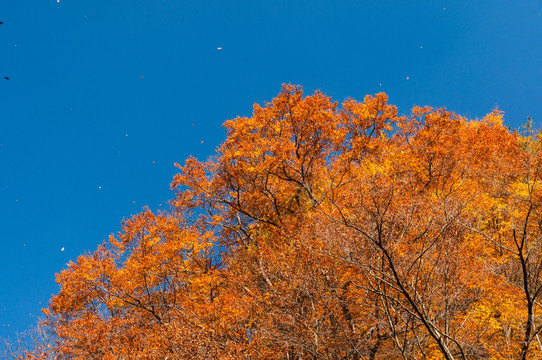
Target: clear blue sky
x=104, y=96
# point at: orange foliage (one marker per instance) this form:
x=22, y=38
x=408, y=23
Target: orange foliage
x=322, y=231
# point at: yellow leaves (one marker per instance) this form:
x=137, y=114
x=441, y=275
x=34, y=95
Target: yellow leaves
x=493, y=118
x=486, y=315
x=114, y=302
x=522, y=189
x=154, y=241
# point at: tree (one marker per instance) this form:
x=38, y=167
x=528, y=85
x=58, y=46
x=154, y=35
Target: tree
x=511, y=222
x=322, y=231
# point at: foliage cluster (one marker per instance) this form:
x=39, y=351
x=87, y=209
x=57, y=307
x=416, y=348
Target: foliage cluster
x=324, y=231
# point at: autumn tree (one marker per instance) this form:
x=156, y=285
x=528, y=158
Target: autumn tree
x=511, y=222
x=325, y=231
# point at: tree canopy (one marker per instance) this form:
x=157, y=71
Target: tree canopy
x=324, y=231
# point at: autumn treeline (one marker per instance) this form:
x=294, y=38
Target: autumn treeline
x=324, y=231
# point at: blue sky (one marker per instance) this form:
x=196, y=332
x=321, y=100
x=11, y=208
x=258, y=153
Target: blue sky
x=104, y=96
